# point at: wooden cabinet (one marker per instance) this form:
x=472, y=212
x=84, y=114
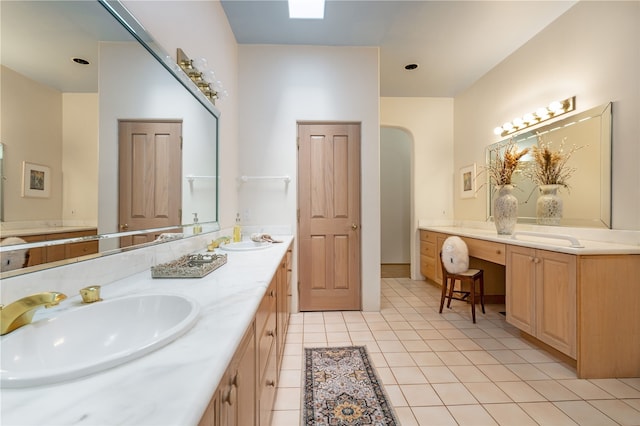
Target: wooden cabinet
x=39, y=255
x=431, y=244
x=541, y=296
x=247, y=390
x=428, y=254
x=284, y=306
x=233, y=403
x=267, y=347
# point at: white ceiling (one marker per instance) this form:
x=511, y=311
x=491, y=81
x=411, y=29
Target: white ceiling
x=453, y=42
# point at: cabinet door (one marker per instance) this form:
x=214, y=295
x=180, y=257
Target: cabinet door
x=211, y=416
x=245, y=381
x=282, y=313
x=556, y=300
x=520, y=288
x=237, y=390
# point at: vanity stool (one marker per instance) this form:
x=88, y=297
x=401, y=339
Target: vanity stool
x=455, y=267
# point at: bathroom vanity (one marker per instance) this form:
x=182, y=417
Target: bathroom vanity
x=582, y=302
x=223, y=371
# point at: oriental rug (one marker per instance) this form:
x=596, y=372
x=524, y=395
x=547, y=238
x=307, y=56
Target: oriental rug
x=341, y=388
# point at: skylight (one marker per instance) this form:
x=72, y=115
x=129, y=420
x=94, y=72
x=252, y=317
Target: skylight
x=306, y=9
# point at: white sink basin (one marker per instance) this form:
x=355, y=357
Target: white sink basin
x=93, y=338
x=245, y=246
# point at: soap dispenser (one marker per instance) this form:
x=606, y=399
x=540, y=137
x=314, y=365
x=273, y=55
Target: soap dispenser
x=197, y=228
x=237, y=230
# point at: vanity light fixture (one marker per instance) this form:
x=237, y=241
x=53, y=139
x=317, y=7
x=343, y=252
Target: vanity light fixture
x=555, y=109
x=202, y=77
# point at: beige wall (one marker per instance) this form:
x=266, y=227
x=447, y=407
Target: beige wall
x=31, y=131
x=592, y=52
x=280, y=85
x=429, y=121
x=80, y=158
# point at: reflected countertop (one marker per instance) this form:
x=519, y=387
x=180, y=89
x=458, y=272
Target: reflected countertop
x=173, y=385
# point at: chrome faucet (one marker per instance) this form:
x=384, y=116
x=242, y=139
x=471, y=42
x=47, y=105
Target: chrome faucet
x=20, y=312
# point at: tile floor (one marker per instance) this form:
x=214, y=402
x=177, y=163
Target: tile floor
x=441, y=369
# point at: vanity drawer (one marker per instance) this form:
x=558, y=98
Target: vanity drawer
x=428, y=249
x=267, y=307
x=266, y=340
x=487, y=250
x=429, y=236
x=267, y=391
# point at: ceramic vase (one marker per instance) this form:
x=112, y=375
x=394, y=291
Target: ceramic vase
x=549, y=205
x=505, y=210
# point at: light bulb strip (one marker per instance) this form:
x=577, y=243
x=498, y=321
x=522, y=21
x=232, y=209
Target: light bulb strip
x=197, y=76
x=555, y=109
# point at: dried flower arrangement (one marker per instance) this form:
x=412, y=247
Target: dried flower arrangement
x=502, y=168
x=549, y=167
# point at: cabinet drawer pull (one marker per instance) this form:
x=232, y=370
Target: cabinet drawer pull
x=270, y=383
x=230, y=397
x=270, y=333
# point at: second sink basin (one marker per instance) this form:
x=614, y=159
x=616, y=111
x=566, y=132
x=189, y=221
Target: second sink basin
x=245, y=246
x=93, y=338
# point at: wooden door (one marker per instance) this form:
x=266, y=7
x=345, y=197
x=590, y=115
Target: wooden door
x=329, y=216
x=150, y=174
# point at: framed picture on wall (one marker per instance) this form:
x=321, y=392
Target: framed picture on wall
x=468, y=181
x=36, y=180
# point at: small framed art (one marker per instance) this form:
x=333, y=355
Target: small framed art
x=468, y=181
x=36, y=180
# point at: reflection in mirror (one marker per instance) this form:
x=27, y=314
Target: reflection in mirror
x=68, y=116
x=1, y=182
x=587, y=201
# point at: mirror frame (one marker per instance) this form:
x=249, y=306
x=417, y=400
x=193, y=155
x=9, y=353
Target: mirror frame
x=604, y=112
x=120, y=13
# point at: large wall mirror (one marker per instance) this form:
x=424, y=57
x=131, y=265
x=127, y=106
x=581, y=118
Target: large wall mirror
x=65, y=118
x=587, y=201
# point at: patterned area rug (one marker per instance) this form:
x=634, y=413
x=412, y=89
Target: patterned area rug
x=341, y=389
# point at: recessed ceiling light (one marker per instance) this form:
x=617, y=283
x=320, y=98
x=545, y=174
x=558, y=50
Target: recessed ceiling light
x=80, y=61
x=306, y=9
x=410, y=67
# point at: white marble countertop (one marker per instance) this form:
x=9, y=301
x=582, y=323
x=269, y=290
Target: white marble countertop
x=173, y=385
x=545, y=240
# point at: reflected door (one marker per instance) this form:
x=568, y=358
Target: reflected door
x=150, y=156
x=329, y=216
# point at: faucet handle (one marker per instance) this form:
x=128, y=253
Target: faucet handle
x=90, y=294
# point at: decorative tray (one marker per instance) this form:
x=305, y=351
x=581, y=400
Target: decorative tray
x=189, y=266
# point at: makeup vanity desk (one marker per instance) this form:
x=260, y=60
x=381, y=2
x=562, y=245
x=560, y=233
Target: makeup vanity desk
x=583, y=302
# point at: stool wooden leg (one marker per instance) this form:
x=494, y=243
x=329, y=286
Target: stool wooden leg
x=445, y=280
x=473, y=299
x=482, y=292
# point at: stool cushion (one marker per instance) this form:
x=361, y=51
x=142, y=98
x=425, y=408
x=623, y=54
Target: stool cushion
x=455, y=255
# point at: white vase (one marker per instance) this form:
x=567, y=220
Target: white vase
x=505, y=210
x=549, y=205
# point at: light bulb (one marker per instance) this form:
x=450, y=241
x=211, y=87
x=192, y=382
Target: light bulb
x=200, y=63
x=529, y=118
x=497, y=131
x=518, y=122
x=542, y=112
x=209, y=76
x=555, y=107
x=507, y=126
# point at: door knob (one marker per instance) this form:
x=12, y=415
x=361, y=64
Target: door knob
x=354, y=226
x=124, y=227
